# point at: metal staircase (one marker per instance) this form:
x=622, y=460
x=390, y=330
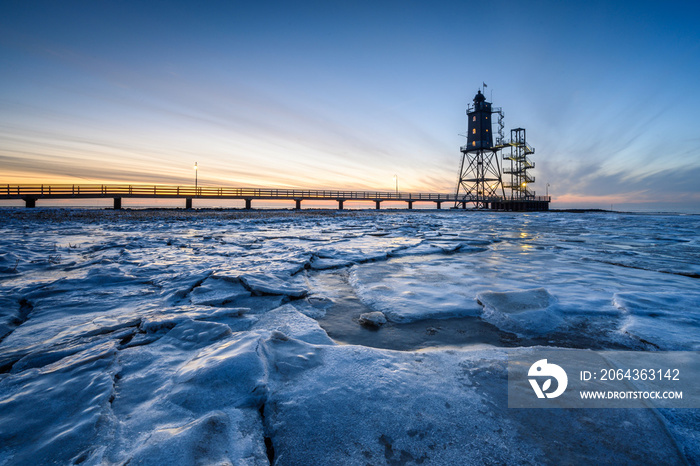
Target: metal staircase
x=520, y=179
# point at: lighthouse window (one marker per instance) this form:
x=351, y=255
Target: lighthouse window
x=474, y=118
x=487, y=130
x=473, y=130
x=473, y=143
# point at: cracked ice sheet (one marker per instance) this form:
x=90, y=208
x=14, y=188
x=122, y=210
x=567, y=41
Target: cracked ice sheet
x=54, y=414
x=190, y=397
x=194, y=395
x=409, y=290
x=644, y=311
x=523, y=252
x=359, y=405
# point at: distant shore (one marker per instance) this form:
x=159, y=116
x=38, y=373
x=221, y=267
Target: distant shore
x=97, y=213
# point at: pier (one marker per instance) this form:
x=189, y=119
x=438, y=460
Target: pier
x=30, y=194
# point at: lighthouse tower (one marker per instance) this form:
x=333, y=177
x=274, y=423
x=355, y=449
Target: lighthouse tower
x=480, y=180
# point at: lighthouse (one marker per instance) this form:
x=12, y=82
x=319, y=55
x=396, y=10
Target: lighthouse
x=483, y=176
x=479, y=135
x=480, y=179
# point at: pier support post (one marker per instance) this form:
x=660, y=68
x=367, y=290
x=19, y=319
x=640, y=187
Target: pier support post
x=117, y=203
x=439, y=204
x=464, y=204
x=378, y=204
x=188, y=203
x=248, y=203
x=30, y=202
x=297, y=205
x=340, y=204
x=410, y=205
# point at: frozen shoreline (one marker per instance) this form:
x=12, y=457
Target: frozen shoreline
x=203, y=339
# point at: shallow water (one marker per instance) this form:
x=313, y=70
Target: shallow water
x=341, y=322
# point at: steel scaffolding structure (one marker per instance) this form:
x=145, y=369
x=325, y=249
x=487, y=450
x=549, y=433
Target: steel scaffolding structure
x=520, y=179
x=479, y=178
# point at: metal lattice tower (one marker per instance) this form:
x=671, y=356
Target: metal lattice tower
x=520, y=179
x=479, y=178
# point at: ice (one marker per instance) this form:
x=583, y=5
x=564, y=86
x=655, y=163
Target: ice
x=288, y=320
x=178, y=287
x=419, y=250
x=183, y=400
x=161, y=322
x=191, y=334
x=12, y=314
x=408, y=291
x=43, y=355
x=214, y=438
x=215, y=291
x=270, y=284
x=372, y=319
x=516, y=302
x=520, y=311
x=441, y=407
x=172, y=337
x=8, y=263
x=318, y=263
x=203, y=381
x=661, y=320
x=52, y=414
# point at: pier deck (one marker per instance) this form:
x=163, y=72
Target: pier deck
x=30, y=194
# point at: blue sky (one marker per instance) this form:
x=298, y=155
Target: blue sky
x=348, y=94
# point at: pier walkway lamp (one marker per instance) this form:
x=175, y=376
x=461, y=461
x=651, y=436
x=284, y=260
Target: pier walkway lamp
x=396, y=180
x=195, y=174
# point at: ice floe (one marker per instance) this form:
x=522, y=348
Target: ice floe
x=372, y=319
x=520, y=311
x=289, y=321
x=215, y=291
x=410, y=291
x=270, y=284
